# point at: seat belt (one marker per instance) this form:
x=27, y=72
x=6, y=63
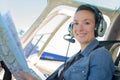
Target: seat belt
x=76, y=58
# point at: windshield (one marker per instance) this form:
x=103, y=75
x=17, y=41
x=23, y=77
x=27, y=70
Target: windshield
x=23, y=12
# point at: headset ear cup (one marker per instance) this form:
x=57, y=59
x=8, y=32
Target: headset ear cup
x=102, y=28
x=70, y=29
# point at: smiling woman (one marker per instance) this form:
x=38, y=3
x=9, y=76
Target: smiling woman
x=42, y=24
x=47, y=34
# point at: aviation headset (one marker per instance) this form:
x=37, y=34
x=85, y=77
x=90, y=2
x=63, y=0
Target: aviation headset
x=100, y=23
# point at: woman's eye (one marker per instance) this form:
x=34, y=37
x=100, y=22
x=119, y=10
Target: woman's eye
x=87, y=22
x=75, y=24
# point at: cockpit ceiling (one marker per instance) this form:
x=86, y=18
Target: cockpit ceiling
x=111, y=4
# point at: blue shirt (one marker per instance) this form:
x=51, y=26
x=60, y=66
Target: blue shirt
x=96, y=64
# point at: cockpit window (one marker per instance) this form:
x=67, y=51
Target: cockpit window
x=24, y=13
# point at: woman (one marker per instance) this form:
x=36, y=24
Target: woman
x=91, y=62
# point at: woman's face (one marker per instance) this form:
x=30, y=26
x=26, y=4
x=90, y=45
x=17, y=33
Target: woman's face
x=84, y=24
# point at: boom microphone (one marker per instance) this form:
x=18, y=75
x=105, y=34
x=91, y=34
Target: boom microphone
x=67, y=37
